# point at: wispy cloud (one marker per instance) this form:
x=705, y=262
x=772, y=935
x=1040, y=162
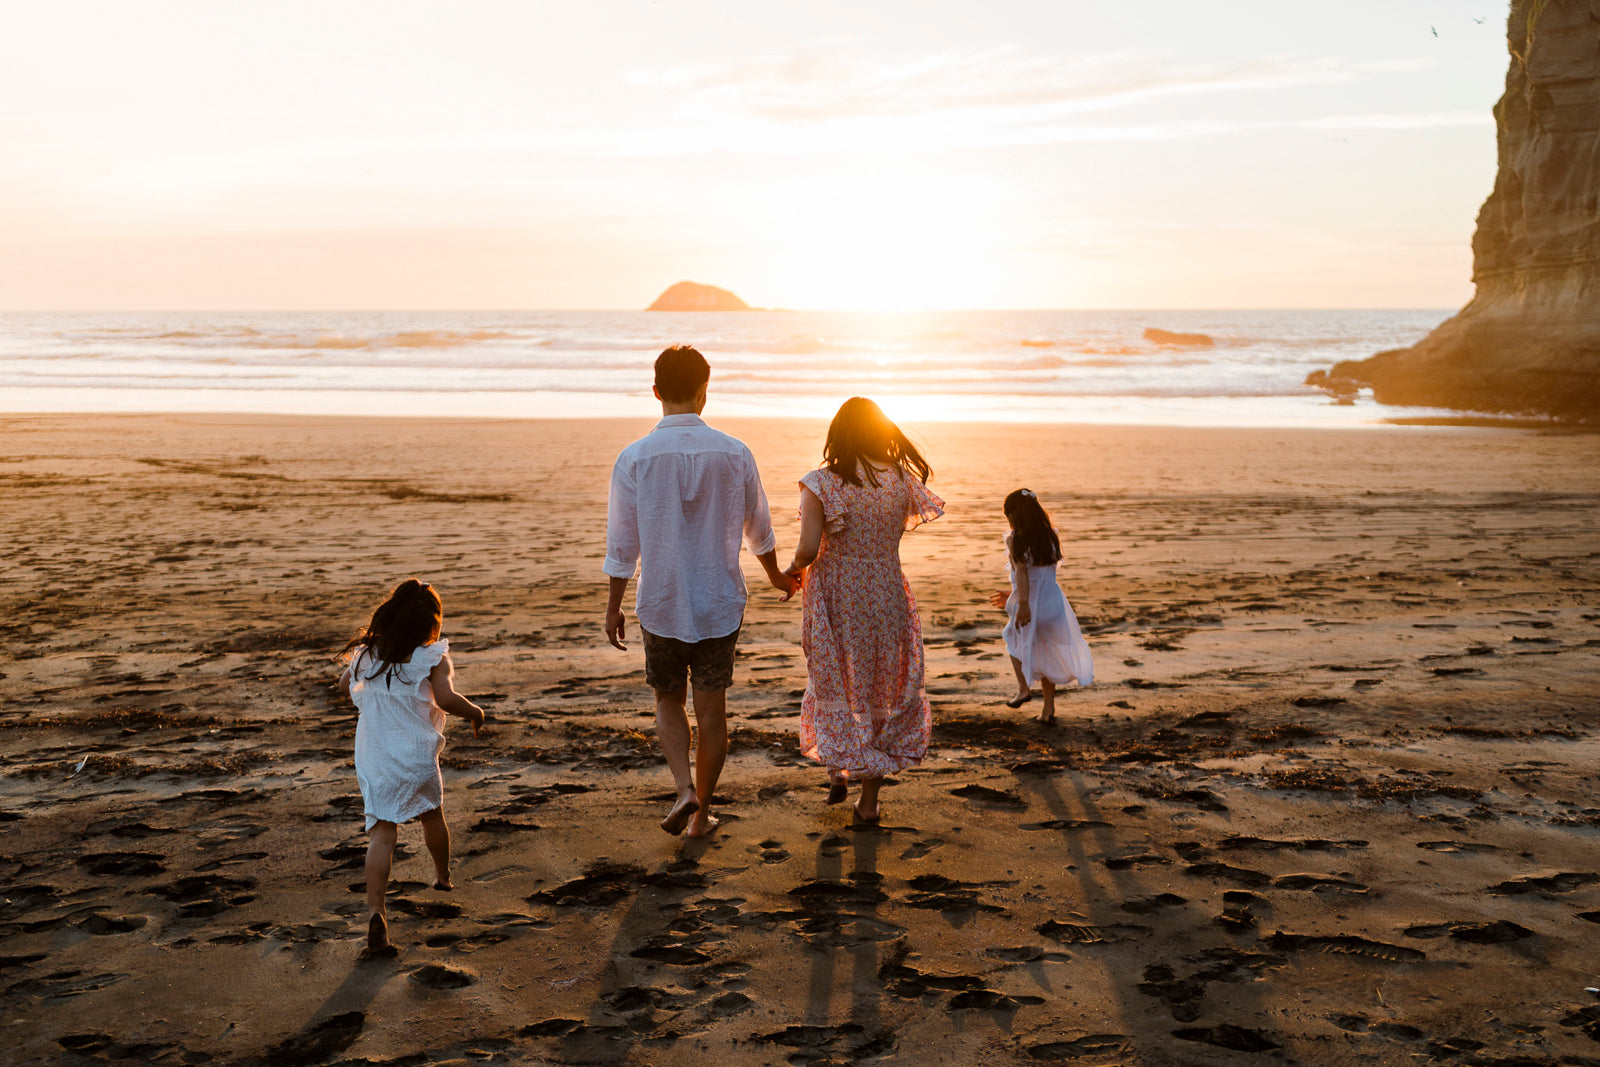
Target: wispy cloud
x=1005, y=84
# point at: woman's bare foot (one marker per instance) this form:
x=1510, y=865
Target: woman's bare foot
x=838, y=789
x=1045, y=720
x=702, y=825
x=377, y=933
x=443, y=884
x=1022, y=697
x=678, y=817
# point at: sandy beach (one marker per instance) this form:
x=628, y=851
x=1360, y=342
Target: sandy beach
x=1333, y=798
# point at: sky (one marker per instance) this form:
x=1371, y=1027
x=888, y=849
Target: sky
x=867, y=154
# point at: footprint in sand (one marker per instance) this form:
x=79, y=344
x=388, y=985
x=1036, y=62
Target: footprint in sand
x=1096, y=1045
x=127, y=864
x=102, y=925
x=1226, y=1035
x=1474, y=933
x=603, y=885
x=1345, y=945
x=998, y=798
x=438, y=976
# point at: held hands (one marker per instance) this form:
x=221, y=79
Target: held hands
x=794, y=579
x=615, y=627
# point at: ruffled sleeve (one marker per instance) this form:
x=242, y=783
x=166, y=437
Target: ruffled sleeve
x=923, y=505
x=427, y=657
x=829, y=490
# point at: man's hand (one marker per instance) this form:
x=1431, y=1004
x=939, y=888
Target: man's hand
x=784, y=583
x=615, y=628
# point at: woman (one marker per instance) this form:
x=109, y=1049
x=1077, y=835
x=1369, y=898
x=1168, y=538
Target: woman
x=865, y=713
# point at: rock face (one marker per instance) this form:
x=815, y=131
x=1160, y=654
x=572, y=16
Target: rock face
x=691, y=296
x=1167, y=337
x=1529, y=341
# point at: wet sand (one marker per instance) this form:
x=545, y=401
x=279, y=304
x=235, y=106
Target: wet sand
x=1331, y=800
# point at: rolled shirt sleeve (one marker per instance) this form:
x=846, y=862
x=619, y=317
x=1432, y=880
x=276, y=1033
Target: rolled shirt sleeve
x=757, y=517
x=622, y=523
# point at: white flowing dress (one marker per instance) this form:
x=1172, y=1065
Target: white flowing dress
x=399, y=735
x=1051, y=645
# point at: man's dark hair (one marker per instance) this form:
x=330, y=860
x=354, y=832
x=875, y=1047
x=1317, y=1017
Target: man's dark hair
x=680, y=372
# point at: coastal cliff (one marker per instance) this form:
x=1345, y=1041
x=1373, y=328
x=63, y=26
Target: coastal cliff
x=1529, y=340
x=692, y=296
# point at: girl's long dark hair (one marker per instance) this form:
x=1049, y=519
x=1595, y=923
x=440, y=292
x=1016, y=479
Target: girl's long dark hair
x=861, y=429
x=407, y=620
x=1033, y=540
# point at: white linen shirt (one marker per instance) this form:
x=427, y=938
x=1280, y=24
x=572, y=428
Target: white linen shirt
x=680, y=497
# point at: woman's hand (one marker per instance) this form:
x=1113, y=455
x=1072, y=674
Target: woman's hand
x=1024, y=615
x=797, y=580
x=998, y=599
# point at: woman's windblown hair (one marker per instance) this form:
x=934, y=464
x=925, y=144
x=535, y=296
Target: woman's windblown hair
x=861, y=431
x=1033, y=540
x=407, y=620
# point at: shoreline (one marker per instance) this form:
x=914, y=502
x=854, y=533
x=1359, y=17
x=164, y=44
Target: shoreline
x=644, y=408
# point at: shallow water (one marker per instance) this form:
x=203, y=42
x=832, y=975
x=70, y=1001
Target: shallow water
x=1026, y=366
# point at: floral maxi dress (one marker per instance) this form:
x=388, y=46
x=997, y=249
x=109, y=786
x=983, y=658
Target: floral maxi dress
x=865, y=711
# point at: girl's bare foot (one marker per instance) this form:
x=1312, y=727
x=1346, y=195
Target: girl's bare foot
x=443, y=884
x=871, y=819
x=702, y=825
x=678, y=817
x=1045, y=720
x=377, y=933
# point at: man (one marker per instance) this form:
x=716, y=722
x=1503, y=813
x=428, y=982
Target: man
x=680, y=497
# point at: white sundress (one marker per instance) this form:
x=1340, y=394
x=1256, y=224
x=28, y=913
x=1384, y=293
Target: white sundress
x=399, y=735
x=1051, y=645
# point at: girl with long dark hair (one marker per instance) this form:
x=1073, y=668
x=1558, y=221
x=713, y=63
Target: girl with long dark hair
x=1042, y=634
x=399, y=675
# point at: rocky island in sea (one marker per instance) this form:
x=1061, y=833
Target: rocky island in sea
x=1529, y=340
x=692, y=296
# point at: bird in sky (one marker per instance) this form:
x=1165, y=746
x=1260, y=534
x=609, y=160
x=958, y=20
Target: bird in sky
x=1435, y=30
x=1480, y=21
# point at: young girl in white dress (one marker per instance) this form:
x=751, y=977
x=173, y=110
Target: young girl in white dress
x=1042, y=634
x=400, y=677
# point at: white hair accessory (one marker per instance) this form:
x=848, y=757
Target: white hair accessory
x=1027, y=493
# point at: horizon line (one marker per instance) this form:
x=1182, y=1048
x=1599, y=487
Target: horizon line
x=746, y=311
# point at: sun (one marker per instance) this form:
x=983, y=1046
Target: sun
x=882, y=240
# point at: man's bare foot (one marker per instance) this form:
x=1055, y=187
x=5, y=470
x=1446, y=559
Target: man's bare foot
x=443, y=884
x=702, y=825
x=377, y=933
x=678, y=817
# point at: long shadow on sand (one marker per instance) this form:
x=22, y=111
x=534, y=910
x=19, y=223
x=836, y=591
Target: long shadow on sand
x=1115, y=906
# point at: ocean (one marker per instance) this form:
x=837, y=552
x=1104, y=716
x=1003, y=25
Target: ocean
x=1021, y=366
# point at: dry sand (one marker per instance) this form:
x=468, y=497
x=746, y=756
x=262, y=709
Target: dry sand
x=1332, y=800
